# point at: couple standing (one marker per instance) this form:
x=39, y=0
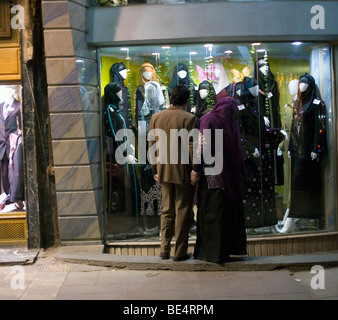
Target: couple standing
x=220, y=218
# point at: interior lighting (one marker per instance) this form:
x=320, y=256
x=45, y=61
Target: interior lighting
x=256, y=44
x=296, y=43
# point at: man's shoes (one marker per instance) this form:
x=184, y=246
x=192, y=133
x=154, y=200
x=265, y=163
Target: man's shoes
x=164, y=256
x=183, y=258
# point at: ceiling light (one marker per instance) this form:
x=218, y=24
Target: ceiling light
x=296, y=43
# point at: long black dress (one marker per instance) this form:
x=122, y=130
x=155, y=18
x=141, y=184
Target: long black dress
x=308, y=135
x=258, y=190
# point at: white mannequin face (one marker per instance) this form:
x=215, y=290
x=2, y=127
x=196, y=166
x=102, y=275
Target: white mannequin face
x=119, y=94
x=293, y=87
x=182, y=74
x=203, y=93
x=264, y=69
x=147, y=75
x=254, y=91
x=303, y=86
x=123, y=73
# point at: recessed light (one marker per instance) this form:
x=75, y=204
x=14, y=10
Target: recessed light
x=296, y=43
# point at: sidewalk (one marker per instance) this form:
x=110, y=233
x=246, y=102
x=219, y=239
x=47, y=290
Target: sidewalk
x=84, y=273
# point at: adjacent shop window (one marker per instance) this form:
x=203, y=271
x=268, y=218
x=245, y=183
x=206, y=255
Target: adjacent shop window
x=11, y=150
x=285, y=112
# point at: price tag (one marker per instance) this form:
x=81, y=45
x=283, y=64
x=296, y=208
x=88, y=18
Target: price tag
x=241, y=107
x=270, y=95
x=316, y=101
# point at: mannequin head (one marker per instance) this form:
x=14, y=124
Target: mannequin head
x=203, y=93
x=182, y=74
x=147, y=73
x=293, y=87
x=249, y=87
x=304, y=83
x=112, y=95
x=263, y=66
x=153, y=96
x=118, y=72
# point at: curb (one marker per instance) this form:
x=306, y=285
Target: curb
x=95, y=256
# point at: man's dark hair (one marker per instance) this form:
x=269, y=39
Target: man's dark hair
x=179, y=95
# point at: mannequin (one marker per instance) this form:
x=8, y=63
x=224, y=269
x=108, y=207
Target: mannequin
x=147, y=73
x=307, y=148
x=118, y=73
x=9, y=119
x=151, y=199
x=124, y=183
x=284, y=145
x=206, y=99
x=181, y=76
x=268, y=102
x=257, y=186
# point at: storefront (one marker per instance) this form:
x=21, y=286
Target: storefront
x=216, y=49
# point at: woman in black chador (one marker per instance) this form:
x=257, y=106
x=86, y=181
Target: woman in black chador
x=181, y=76
x=118, y=73
x=122, y=183
x=307, y=146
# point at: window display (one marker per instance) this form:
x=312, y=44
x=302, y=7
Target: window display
x=11, y=151
x=285, y=117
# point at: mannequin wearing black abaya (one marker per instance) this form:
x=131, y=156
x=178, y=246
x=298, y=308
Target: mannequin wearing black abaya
x=186, y=81
x=257, y=187
x=307, y=148
x=116, y=72
x=122, y=182
x=268, y=102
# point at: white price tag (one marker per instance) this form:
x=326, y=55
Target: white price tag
x=241, y=107
x=316, y=101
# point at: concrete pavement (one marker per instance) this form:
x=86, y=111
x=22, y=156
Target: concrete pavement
x=77, y=273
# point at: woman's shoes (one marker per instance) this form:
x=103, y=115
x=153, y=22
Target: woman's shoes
x=164, y=256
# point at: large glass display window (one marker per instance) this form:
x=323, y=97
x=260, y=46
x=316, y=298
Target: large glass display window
x=285, y=114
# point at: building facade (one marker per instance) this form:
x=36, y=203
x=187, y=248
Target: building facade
x=86, y=44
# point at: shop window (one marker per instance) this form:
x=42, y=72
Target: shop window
x=12, y=198
x=285, y=112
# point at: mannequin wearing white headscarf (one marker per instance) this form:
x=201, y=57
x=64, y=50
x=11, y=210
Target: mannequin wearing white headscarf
x=154, y=99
